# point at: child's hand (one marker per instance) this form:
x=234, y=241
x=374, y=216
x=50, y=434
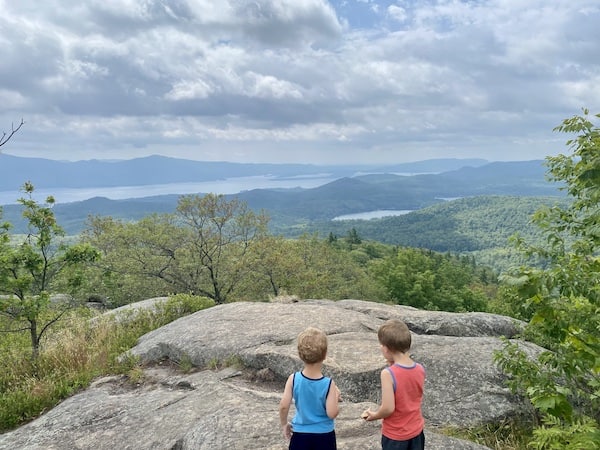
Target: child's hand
x=287, y=431
x=367, y=415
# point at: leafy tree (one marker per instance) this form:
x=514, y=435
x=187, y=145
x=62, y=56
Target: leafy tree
x=323, y=270
x=136, y=262
x=429, y=280
x=30, y=270
x=221, y=235
x=275, y=266
x=202, y=249
x=562, y=300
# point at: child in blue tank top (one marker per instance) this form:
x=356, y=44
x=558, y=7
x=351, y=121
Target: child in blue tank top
x=315, y=397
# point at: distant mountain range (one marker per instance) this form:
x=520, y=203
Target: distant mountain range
x=379, y=188
x=45, y=173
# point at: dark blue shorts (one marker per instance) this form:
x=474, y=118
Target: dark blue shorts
x=313, y=441
x=416, y=443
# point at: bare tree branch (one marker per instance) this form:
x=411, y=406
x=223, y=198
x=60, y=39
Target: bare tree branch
x=6, y=137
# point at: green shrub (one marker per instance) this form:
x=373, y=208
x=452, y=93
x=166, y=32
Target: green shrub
x=180, y=305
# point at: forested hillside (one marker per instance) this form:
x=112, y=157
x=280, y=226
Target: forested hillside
x=461, y=225
x=491, y=203
x=479, y=226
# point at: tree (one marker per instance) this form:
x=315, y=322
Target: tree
x=314, y=268
x=204, y=248
x=137, y=258
x=29, y=270
x=275, y=267
x=429, y=280
x=562, y=298
x=353, y=238
x=6, y=137
x=220, y=237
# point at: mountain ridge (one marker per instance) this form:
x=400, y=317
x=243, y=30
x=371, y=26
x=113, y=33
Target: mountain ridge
x=156, y=169
x=346, y=195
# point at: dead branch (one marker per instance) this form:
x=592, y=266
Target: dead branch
x=6, y=137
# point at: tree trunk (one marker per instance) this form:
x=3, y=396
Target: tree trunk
x=35, y=340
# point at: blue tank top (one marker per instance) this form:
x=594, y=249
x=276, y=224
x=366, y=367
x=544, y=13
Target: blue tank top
x=309, y=397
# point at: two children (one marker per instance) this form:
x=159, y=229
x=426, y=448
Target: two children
x=316, y=397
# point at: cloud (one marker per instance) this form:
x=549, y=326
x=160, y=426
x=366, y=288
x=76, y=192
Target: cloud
x=296, y=80
x=397, y=13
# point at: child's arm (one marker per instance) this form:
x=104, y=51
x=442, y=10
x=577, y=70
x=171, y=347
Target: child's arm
x=332, y=401
x=284, y=408
x=388, y=399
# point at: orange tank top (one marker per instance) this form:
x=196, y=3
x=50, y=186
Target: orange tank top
x=406, y=421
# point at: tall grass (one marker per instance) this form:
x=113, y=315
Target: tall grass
x=79, y=350
x=508, y=435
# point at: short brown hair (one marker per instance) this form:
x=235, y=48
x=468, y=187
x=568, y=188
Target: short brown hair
x=395, y=335
x=312, y=345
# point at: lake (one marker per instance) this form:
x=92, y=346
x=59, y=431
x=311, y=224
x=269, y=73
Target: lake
x=226, y=186
x=377, y=214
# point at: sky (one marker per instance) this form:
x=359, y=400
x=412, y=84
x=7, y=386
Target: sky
x=296, y=81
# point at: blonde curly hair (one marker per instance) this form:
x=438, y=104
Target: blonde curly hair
x=312, y=345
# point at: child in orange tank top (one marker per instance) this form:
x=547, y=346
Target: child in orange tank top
x=401, y=391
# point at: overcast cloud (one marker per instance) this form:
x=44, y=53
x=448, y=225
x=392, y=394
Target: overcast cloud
x=349, y=81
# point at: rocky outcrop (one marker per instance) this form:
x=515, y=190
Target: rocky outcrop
x=243, y=352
